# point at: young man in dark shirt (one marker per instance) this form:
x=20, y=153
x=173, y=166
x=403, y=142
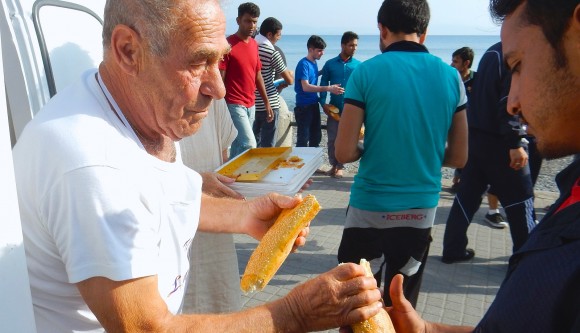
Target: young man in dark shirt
x=540, y=47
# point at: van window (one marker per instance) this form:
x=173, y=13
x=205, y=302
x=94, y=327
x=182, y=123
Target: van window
x=70, y=41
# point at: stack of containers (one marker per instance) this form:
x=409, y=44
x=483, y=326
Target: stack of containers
x=283, y=180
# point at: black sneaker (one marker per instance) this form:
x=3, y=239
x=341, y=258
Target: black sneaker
x=495, y=221
x=469, y=253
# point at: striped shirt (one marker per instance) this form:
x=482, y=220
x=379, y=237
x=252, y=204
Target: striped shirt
x=272, y=64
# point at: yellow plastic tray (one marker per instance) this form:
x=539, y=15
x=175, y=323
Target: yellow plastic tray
x=254, y=164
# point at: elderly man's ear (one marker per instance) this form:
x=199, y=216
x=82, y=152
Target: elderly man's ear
x=127, y=49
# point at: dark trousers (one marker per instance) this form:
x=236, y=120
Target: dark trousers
x=488, y=163
x=331, y=132
x=309, y=131
x=264, y=131
x=399, y=246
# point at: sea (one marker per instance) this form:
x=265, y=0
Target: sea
x=442, y=46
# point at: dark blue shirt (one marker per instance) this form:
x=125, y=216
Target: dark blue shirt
x=541, y=292
x=487, y=110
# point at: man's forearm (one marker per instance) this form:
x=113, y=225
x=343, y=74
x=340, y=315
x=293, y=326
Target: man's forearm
x=269, y=318
x=221, y=215
x=317, y=89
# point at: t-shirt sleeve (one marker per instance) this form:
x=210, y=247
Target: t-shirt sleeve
x=223, y=64
x=278, y=63
x=355, y=88
x=102, y=225
x=301, y=72
x=258, y=64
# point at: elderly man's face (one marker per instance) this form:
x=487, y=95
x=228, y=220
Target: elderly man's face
x=183, y=82
x=545, y=95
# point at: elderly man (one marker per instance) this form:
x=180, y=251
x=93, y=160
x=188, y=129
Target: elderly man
x=108, y=209
x=540, y=47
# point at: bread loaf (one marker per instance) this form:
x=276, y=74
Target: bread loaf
x=334, y=112
x=277, y=243
x=381, y=322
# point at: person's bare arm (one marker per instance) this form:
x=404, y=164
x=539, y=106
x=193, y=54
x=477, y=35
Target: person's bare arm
x=334, y=89
x=341, y=296
x=214, y=184
x=253, y=217
x=457, y=141
x=288, y=76
x=346, y=144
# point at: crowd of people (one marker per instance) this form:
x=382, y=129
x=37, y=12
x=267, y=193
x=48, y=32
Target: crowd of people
x=109, y=217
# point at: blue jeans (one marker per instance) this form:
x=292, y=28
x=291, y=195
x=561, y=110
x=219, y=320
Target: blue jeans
x=309, y=131
x=264, y=131
x=243, y=118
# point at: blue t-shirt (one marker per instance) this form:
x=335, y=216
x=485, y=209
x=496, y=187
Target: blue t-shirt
x=409, y=98
x=305, y=70
x=336, y=71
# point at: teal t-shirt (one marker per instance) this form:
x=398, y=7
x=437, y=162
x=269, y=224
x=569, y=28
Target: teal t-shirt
x=409, y=98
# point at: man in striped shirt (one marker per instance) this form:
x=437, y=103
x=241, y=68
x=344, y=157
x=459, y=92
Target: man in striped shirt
x=266, y=120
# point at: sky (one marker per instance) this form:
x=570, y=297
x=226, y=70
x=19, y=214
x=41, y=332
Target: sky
x=333, y=17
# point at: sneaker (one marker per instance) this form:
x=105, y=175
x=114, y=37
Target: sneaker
x=495, y=221
x=469, y=253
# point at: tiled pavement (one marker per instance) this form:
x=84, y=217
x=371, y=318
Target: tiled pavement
x=454, y=294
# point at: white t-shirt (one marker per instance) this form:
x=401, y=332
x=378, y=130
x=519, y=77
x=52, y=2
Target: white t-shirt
x=93, y=203
x=214, y=278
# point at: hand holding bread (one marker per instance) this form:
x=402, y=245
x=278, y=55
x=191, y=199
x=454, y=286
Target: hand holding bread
x=277, y=243
x=337, y=298
x=381, y=322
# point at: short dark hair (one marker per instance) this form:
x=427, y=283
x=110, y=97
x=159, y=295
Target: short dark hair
x=552, y=16
x=316, y=42
x=465, y=53
x=406, y=16
x=347, y=37
x=270, y=24
x=249, y=8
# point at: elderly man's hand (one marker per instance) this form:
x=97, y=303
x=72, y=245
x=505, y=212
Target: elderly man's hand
x=261, y=213
x=340, y=297
x=214, y=185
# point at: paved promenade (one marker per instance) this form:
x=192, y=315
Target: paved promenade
x=455, y=294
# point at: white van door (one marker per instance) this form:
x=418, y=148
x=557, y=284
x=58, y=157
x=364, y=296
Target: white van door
x=15, y=304
x=46, y=44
